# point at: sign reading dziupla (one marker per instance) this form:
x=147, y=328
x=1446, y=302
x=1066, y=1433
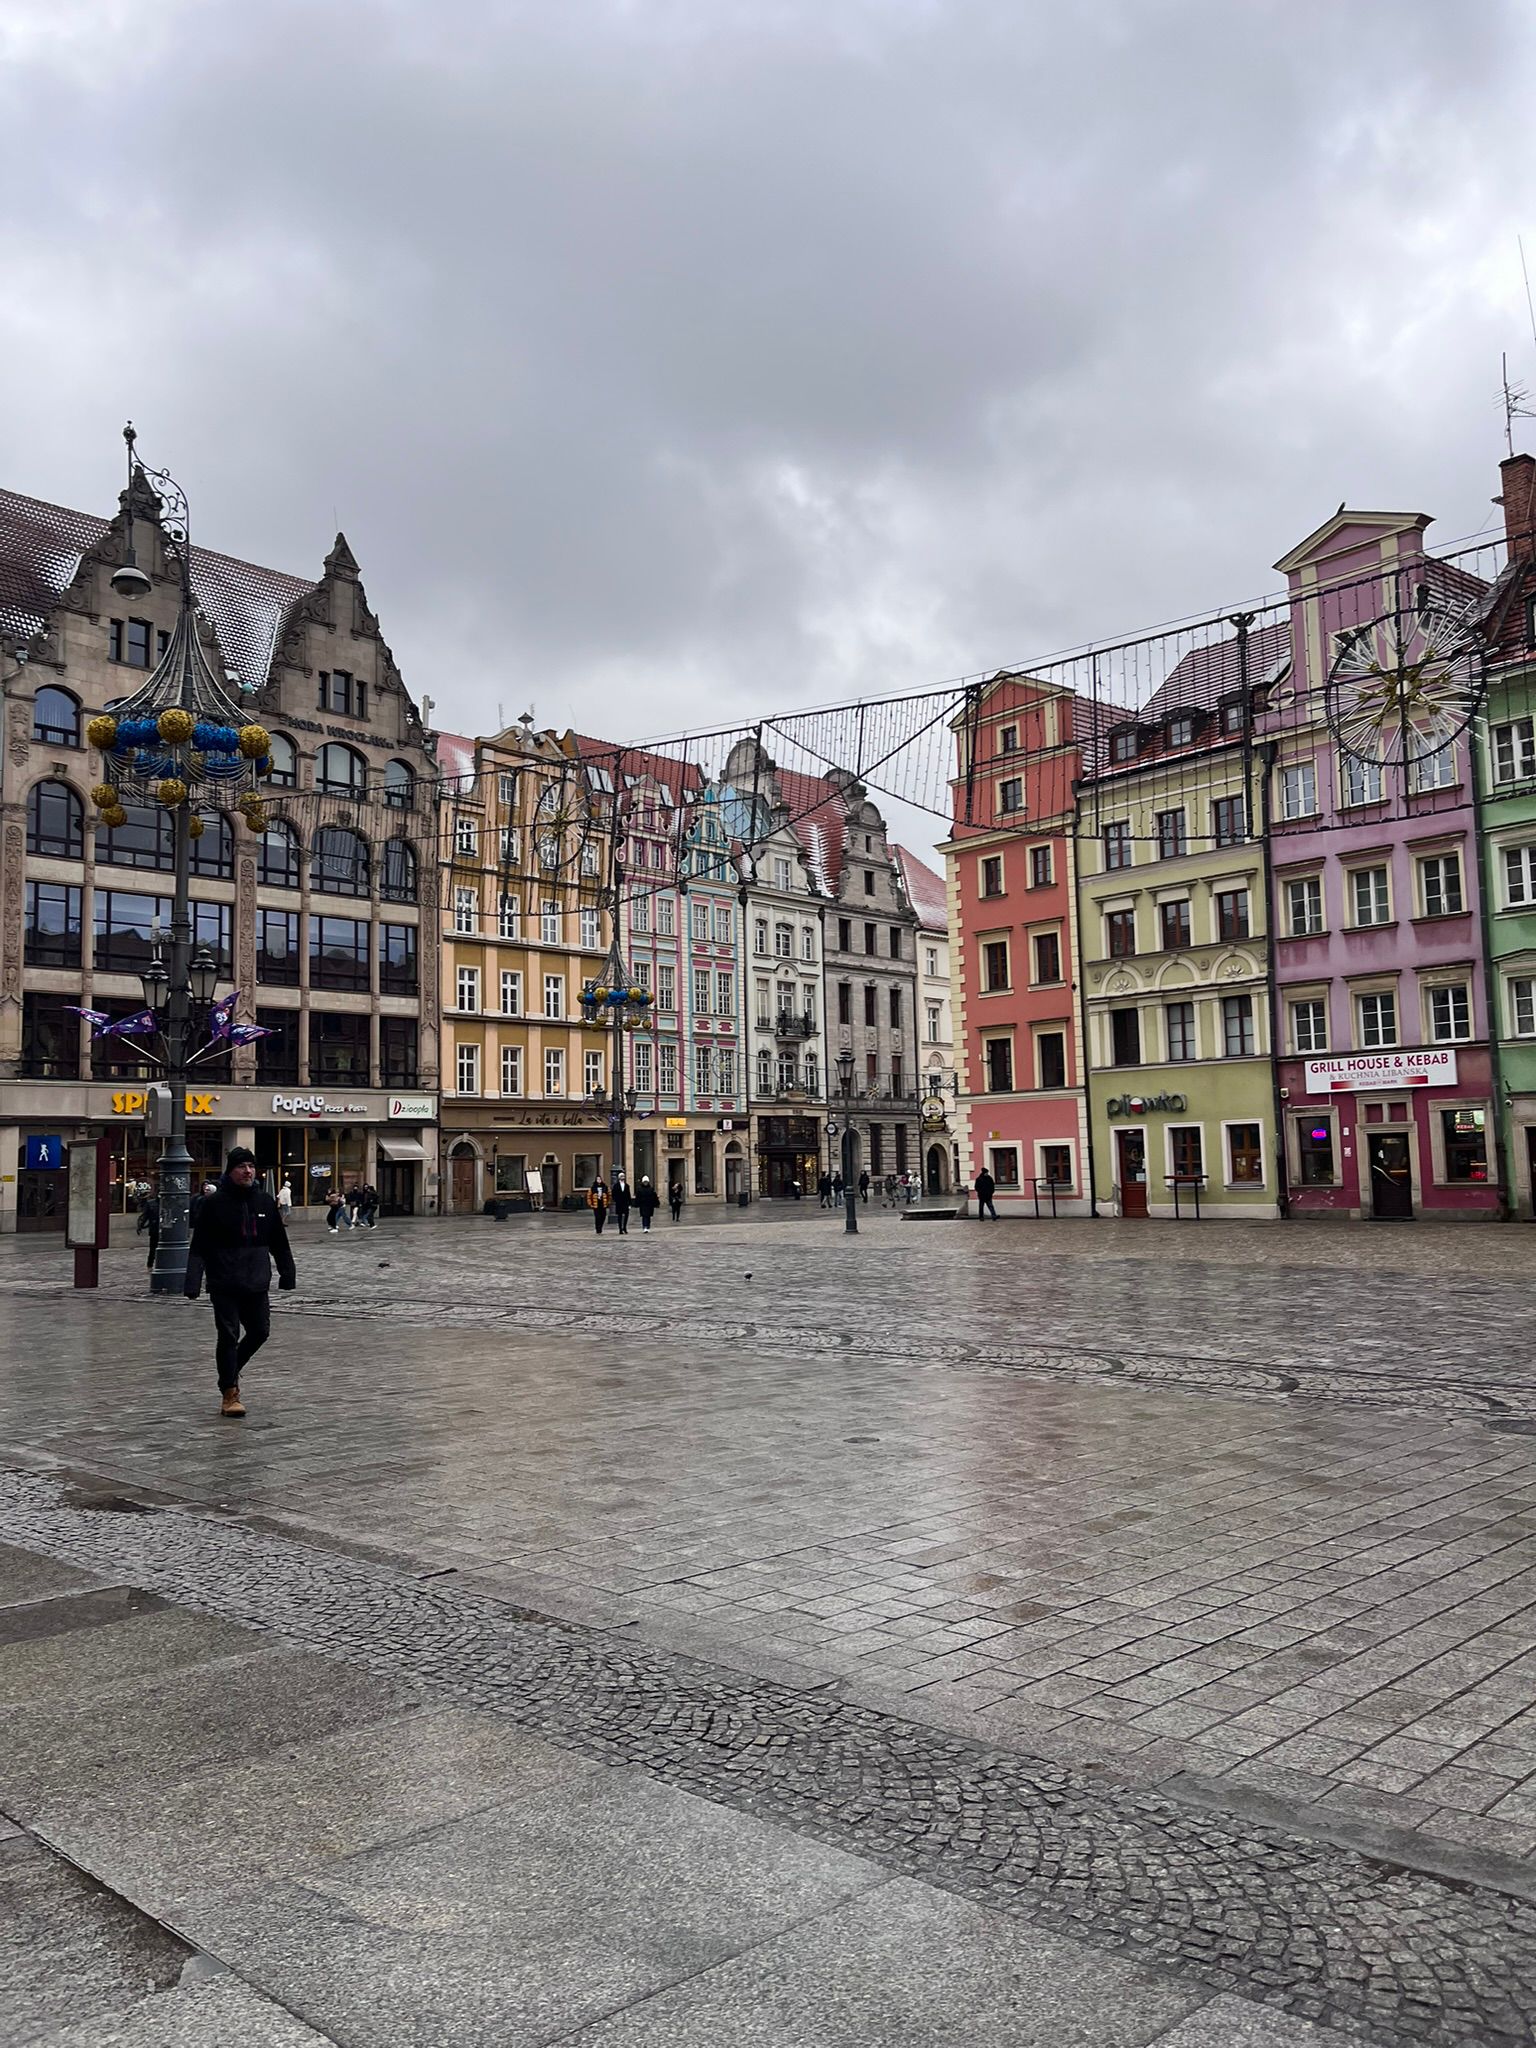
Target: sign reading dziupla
x=1428, y=1066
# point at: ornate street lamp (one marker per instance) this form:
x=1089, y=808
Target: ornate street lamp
x=613, y=1003
x=183, y=744
x=850, y=1191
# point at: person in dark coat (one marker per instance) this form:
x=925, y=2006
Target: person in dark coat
x=837, y=1187
x=238, y=1235
x=371, y=1206
x=824, y=1191
x=597, y=1202
x=863, y=1187
x=149, y=1219
x=986, y=1188
x=623, y=1201
x=647, y=1202
x=675, y=1200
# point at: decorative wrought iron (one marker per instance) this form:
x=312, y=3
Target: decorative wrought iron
x=1406, y=684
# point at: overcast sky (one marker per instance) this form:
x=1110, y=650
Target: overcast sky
x=670, y=360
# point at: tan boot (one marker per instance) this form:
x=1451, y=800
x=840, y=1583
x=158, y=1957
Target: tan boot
x=231, y=1404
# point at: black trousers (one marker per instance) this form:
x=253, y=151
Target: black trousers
x=985, y=1206
x=623, y=1216
x=154, y=1246
x=233, y=1309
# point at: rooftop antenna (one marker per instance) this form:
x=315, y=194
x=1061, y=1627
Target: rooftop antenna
x=501, y=719
x=1515, y=406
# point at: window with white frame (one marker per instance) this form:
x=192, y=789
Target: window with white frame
x=760, y=935
x=1440, y=884
x=807, y=942
x=509, y=917
x=466, y=835
x=783, y=941
x=1514, y=750
x=1179, y=1027
x=1432, y=767
x=932, y=1023
x=725, y=1070
x=1010, y=795
x=554, y=1070
x=725, y=924
x=1041, y=868
x=549, y=849
x=1370, y=898
x=725, y=993
x=1298, y=789
x=587, y=936
x=764, y=1016
x=931, y=962
x=511, y=845
x=1520, y=1001
x=1309, y=1024
x=666, y=1062
x=666, y=986
x=467, y=1069
x=640, y=915
x=645, y=1066
x=701, y=921
x=466, y=910
x=1519, y=874
x=550, y=924
x=701, y=991
x=591, y=1072
x=506, y=790
x=787, y=1072
x=554, y=995
x=1360, y=780
x=1376, y=1017
x=511, y=992
x=511, y=1070
x=1304, y=906
x=588, y=860
x=703, y=1068
x=467, y=989
x=642, y=972
x=1237, y=1026
x=1450, y=1012
x=781, y=874
x=666, y=915
x=764, y=1072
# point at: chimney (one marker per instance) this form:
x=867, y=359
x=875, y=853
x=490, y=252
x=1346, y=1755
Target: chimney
x=1517, y=477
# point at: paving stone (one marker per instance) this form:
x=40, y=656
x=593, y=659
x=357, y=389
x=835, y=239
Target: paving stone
x=219, y=2010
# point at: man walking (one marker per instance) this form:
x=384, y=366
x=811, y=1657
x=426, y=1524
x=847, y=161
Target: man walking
x=675, y=1199
x=864, y=1187
x=647, y=1202
x=621, y=1203
x=986, y=1188
x=238, y=1235
x=149, y=1219
x=597, y=1202
x=824, y=1191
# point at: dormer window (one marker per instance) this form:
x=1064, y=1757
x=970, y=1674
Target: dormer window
x=1123, y=745
x=1233, y=716
x=1181, y=730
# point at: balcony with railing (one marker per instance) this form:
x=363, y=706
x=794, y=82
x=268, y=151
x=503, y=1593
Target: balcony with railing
x=787, y=1024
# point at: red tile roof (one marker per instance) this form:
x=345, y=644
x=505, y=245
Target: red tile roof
x=679, y=778
x=926, y=891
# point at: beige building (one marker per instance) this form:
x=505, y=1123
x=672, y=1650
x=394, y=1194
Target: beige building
x=926, y=891
x=324, y=923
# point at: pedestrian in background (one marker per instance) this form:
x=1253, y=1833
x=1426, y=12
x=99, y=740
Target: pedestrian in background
x=622, y=1200
x=597, y=1202
x=149, y=1219
x=370, y=1206
x=839, y=1186
x=335, y=1209
x=354, y=1206
x=864, y=1187
x=285, y=1197
x=675, y=1199
x=647, y=1202
x=824, y=1191
x=239, y=1235
x=986, y=1188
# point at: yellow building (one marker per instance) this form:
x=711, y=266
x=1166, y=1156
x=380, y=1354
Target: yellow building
x=522, y=854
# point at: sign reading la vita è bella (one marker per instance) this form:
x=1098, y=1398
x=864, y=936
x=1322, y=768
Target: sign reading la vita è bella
x=1429, y=1066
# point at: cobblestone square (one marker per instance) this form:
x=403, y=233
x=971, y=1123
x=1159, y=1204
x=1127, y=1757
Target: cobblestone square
x=1134, y=1584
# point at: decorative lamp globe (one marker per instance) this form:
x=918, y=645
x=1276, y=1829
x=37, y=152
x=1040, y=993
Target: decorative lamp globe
x=129, y=581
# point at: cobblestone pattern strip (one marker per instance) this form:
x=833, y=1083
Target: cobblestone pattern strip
x=1330, y=1935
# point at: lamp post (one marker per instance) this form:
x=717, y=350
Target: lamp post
x=179, y=742
x=850, y=1190
x=611, y=998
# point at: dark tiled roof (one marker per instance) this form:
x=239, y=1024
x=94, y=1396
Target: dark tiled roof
x=1207, y=674
x=41, y=546
x=818, y=811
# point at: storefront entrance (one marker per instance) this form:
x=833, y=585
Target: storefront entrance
x=41, y=1199
x=1391, y=1176
x=397, y=1188
x=461, y=1166
x=781, y=1170
x=937, y=1176
x=1131, y=1155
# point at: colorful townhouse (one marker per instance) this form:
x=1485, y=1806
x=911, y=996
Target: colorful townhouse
x=1010, y=878
x=928, y=894
x=1173, y=934
x=1384, y=1062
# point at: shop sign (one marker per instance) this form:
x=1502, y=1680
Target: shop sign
x=1138, y=1105
x=1431, y=1066
x=676, y=1123
x=412, y=1109
x=132, y=1101
x=316, y=1106
x=44, y=1155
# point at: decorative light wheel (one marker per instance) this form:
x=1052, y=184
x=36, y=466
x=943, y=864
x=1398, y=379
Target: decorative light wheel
x=1406, y=684
x=562, y=820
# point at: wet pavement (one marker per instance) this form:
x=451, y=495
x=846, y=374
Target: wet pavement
x=1165, y=1591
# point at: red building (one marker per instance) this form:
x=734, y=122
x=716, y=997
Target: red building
x=1014, y=954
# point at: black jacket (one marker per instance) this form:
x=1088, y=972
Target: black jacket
x=647, y=1201
x=238, y=1234
x=986, y=1186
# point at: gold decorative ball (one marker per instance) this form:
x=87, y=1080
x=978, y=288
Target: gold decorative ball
x=175, y=726
x=256, y=818
x=101, y=731
x=194, y=828
x=255, y=741
x=114, y=814
x=103, y=796
x=171, y=792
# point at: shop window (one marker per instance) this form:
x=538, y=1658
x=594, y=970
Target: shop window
x=1186, y=1151
x=55, y=821
x=1314, y=1152
x=277, y=864
x=50, y=1038
x=1245, y=1155
x=877, y=1148
x=52, y=936
x=277, y=948
x=1466, y=1144
x=703, y=1164
x=338, y=1047
x=399, y=1059
x=1056, y=1165
x=588, y=1170
x=55, y=718
x=1125, y=1038
x=277, y=1055
x=512, y=1169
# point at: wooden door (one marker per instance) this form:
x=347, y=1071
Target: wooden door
x=1131, y=1154
x=1391, y=1175
x=463, y=1183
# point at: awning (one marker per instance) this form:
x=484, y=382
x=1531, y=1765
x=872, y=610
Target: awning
x=396, y=1146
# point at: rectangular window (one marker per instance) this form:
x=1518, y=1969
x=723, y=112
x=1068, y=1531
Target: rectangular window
x=1360, y=780
x=844, y=1003
x=1514, y=750
x=124, y=929
x=783, y=941
x=999, y=1066
x=1370, y=897
x=1298, y=790
x=1237, y=1026
x=509, y=917
x=876, y=1147
x=1229, y=820
x=871, y=939
x=1186, y=1151
x=1120, y=932
x=1304, y=906
x=992, y=875
x=398, y=971
x=807, y=942
x=1050, y=1059
x=1522, y=1005
x=506, y=791
x=1314, y=1151
x=128, y=640
x=1005, y=1165
x=895, y=1009
x=1010, y=796
x=666, y=986
x=591, y=1072
x=1245, y=1155
x=1008, y=740
x=725, y=1070
x=1450, y=1013
x=277, y=1055
x=1378, y=1021
x=338, y=953
x=1179, y=1022
x=760, y=935
x=466, y=837
x=554, y=1071
x=50, y=1038
x=1433, y=767
x=466, y=910
x=1309, y=1025
x=467, y=989
x=1466, y=1144
x=667, y=1061
x=1125, y=1038
x=870, y=1015
x=1172, y=836
x=511, y=1070
x=511, y=992
x=645, y=1066
x=1040, y=867
x=1056, y=1165
x=869, y=881
x=343, y=693
x=703, y=1064
x=931, y=1022
x=701, y=922
x=551, y=925
x=587, y=932
x=666, y=915
x=1519, y=874
x=640, y=915
x=994, y=959
x=1117, y=844
x=1232, y=913
x=1047, y=958
x=702, y=985
x=781, y=875
x=277, y=947
x=467, y=1069
x=1440, y=884
x=725, y=924
x=725, y=995
x=1173, y=922
x=53, y=925
x=554, y=995
x=511, y=846
x=895, y=941
x=844, y=935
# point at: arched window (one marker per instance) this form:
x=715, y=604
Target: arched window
x=56, y=717
x=341, y=771
x=145, y=840
x=397, y=878
x=284, y=773
x=277, y=867
x=399, y=785
x=55, y=821
x=339, y=864
x=213, y=854
x=764, y=1073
